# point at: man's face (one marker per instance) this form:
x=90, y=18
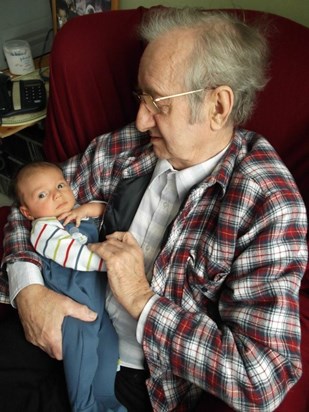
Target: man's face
x=161, y=73
x=44, y=193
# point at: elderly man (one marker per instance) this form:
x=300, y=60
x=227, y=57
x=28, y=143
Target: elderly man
x=204, y=271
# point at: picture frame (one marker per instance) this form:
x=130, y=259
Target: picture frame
x=64, y=10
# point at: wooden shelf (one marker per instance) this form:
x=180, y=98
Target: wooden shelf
x=6, y=131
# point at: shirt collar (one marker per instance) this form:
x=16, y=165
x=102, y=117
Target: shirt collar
x=187, y=178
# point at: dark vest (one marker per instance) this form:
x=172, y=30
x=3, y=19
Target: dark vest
x=123, y=205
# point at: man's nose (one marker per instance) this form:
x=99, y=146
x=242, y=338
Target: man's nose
x=145, y=120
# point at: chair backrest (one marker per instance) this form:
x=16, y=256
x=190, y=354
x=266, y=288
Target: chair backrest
x=93, y=67
x=93, y=70
x=282, y=111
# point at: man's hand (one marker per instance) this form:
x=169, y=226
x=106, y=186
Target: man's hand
x=125, y=270
x=42, y=311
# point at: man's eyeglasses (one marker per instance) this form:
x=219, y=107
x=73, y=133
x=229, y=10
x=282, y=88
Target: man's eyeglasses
x=151, y=103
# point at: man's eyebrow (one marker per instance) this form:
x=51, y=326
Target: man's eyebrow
x=148, y=90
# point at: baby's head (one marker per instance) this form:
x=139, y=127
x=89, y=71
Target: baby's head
x=42, y=191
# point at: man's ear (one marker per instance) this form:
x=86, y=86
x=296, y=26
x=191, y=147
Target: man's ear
x=223, y=100
x=25, y=212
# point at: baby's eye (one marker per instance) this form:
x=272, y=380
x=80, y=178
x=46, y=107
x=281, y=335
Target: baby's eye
x=42, y=195
x=61, y=186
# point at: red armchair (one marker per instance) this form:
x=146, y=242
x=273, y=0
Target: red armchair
x=93, y=70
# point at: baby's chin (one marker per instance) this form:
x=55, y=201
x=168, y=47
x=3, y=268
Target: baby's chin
x=62, y=212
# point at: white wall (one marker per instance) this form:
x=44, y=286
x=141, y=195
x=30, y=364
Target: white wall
x=297, y=10
x=27, y=20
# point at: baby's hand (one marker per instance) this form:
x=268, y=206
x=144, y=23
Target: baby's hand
x=74, y=215
x=92, y=209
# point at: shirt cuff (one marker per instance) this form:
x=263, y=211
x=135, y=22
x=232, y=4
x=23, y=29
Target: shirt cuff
x=143, y=317
x=22, y=274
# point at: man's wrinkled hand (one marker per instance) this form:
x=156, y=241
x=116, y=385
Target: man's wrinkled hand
x=42, y=312
x=125, y=270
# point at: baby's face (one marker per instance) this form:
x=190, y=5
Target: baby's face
x=45, y=193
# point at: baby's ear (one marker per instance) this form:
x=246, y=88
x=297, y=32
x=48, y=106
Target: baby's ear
x=25, y=212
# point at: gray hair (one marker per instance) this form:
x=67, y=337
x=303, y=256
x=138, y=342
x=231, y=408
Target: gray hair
x=226, y=51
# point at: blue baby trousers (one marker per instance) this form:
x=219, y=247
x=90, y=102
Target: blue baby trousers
x=90, y=349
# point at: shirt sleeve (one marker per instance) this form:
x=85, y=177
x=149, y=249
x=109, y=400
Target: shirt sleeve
x=17, y=246
x=143, y=317
x=21, y=275
x=54, y=242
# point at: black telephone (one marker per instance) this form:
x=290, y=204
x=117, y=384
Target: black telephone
x=21, y=96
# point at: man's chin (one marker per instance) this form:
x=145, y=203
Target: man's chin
x=158, y=146
x=160, y=154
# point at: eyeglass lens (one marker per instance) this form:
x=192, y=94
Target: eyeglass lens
x=149, y=103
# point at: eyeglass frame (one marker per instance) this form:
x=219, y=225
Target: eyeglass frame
x=153, y=101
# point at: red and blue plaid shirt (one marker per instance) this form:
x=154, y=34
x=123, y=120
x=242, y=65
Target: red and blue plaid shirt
x=228, y=274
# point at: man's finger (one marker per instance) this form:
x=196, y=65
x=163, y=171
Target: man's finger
x=82, y=312
x=126, y=237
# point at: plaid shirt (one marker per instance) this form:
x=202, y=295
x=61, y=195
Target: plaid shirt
x=228, y=274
